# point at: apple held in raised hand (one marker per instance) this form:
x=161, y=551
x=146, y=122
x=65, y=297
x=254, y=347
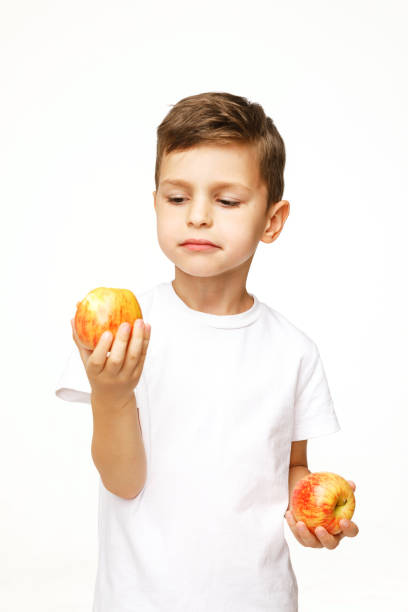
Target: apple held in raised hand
x=104, y=309
x=322, y=498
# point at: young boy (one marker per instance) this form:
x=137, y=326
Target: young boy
x=201, y=421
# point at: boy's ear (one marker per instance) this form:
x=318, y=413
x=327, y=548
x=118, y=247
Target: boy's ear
x=276, y=220
x=154, y=198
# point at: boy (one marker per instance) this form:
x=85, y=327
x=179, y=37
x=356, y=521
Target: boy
x=200, y=429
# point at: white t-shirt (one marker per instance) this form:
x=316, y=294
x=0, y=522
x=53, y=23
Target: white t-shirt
x=220, y=399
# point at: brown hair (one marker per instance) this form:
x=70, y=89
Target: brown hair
x=222, y=118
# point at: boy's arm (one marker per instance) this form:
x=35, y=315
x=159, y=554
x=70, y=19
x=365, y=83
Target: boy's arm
x=117, y=447
x=297, y=465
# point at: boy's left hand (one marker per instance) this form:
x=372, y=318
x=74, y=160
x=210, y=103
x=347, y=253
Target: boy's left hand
x=322, y=539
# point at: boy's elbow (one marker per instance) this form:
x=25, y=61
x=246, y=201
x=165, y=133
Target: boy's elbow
x=128, y=492
x=133, y=495
x=124, y=494
x=124, y=479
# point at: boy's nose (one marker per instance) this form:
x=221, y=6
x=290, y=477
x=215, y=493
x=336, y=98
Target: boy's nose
x=199, y=211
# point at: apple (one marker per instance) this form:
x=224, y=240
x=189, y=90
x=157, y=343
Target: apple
x=322, y=498
x=104, y=309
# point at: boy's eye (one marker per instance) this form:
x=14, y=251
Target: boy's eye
x=225, y=202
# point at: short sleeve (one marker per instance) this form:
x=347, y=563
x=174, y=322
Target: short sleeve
x=314, y=413
x=73, y=385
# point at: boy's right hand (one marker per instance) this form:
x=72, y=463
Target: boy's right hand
x=114, y=378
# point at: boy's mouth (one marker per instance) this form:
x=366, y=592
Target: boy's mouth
x=199, y=247
x=192, y=241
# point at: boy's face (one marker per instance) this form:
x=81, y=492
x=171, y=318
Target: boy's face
x=202, y=208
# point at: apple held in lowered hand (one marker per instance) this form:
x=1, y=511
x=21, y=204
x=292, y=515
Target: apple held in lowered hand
x=322, y=498
x=104, y=309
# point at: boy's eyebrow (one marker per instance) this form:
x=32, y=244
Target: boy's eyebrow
x=219, y=184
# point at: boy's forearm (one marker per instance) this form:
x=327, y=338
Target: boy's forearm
x=117, y=447
x=296, y=472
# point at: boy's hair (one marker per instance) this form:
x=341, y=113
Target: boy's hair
x=221, y=118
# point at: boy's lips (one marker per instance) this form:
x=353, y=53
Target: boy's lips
x=192, y=246
x=197, y=241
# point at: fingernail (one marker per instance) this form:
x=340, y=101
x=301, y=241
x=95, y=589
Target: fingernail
x=139, y=322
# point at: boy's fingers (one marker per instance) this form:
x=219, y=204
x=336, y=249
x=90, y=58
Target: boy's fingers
x=146, y=340
x=292, y=524
x=118, y=351
x=137, y=348
x=308, y=538
x=349, y=528
x=327, y=539
x=302, y=533
x=97, y=361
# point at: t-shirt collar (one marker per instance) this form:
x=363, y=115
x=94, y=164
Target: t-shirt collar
x=241, y=319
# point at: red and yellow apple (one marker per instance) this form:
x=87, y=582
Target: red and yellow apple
x=322, y=498
x=104, y=309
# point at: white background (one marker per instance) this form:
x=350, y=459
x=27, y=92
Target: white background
x=84, y=85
